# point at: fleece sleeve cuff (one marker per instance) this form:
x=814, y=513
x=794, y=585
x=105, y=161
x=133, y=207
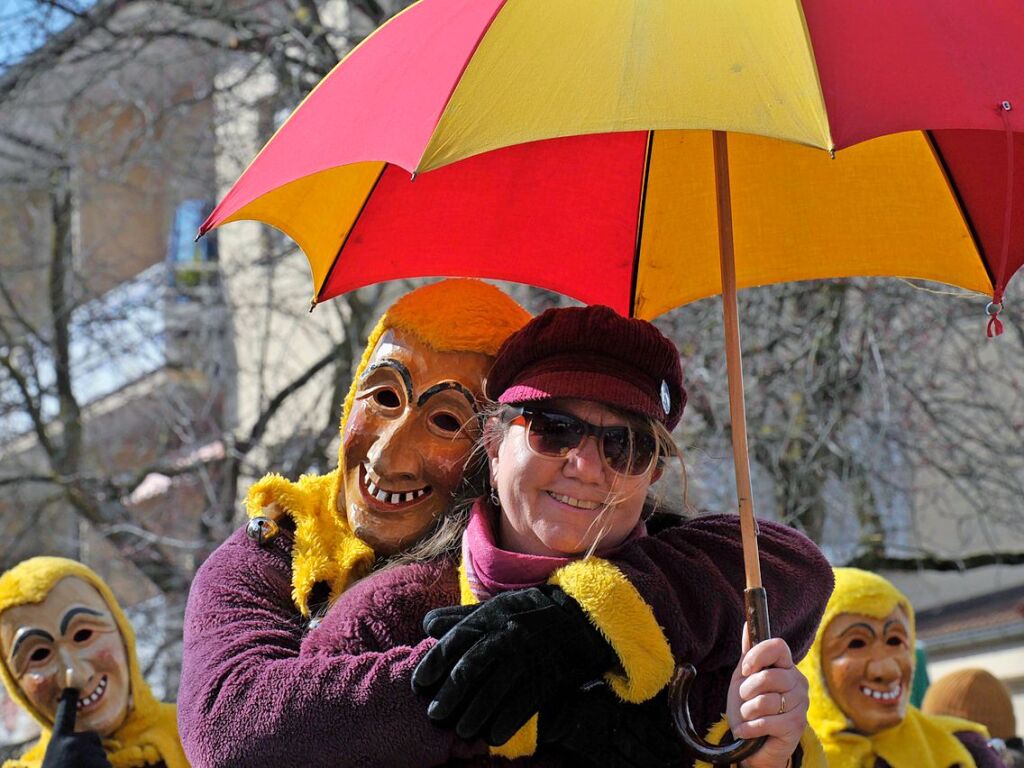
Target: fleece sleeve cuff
x=626, y=621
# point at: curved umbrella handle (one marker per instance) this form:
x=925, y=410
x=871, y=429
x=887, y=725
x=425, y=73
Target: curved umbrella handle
x=756, y=601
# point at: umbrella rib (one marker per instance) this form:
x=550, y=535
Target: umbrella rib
x=455, y=85
x=955, y=191
x=640, y=224
x=355, y=223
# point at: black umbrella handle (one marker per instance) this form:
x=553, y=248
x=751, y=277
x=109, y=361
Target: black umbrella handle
x=756, y=601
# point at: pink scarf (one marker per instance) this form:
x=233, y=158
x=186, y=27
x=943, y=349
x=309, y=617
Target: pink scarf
x=491, y=570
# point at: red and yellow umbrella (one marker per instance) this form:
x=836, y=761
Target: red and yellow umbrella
x=448, y=79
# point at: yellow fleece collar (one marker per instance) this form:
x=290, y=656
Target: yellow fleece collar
x=325, y=548
x=920, y=741
x=150, y=733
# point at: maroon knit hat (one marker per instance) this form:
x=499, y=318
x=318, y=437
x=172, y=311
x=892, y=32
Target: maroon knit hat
x=591, y=353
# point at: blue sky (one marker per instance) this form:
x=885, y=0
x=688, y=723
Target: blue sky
x=25, y=25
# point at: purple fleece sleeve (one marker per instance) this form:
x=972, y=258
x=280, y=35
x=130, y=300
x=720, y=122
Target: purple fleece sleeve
x=692, y=576
x=386, y=610
x=984, y=756
x=247, y=697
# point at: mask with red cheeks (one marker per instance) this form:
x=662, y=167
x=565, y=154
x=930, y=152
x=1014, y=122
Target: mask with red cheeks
x=70, y=637
x=868, y=666
x=410, y=430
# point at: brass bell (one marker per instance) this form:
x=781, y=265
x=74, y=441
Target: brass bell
x=262, y=530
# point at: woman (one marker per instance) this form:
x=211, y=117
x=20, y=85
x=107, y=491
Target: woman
x=586, y=400
x=69, y=660
x=859, y=670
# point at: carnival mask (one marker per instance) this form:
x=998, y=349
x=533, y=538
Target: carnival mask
x=407, y=438
x=868, y=665
x=69, y=637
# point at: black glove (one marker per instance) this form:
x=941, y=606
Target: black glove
x=68, y=749
x=499, y=663
x=595, y=727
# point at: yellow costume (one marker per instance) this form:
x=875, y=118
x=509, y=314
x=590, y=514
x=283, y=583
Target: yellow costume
x=150, y=732
x=920, y=740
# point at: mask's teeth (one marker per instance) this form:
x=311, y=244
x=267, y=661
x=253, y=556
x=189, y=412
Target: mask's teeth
x=381, y=496
x=396, y=498
x=371, y=487
x=421, y=492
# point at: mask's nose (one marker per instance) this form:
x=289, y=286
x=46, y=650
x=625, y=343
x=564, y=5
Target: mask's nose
x=76, y=671
x=885, y=670
x=396, y=454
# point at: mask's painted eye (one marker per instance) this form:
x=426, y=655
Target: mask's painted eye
x=387, y=398
x=40, y=654
x=856, y=643
x=446, y=421
x=82, y=635
x=895, y=641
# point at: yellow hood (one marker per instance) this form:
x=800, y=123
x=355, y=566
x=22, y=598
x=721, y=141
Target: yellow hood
x=920, y=741
x=150, y=733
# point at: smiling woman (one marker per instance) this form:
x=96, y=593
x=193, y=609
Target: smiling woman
x=557, y=651
x=64, y=640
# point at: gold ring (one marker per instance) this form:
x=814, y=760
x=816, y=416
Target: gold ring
x=782, y=704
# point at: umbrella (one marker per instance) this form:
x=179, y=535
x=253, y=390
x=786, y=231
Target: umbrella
x=655, y=202
x=448, y=79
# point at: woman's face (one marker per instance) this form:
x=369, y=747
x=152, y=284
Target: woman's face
x=407, y=438
x=560, y=506
x=868, y=665
x=70, y=636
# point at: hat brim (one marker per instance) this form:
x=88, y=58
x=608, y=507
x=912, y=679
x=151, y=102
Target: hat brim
x=600, y=387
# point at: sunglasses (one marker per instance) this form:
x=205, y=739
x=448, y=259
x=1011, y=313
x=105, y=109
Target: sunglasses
x=625, y=450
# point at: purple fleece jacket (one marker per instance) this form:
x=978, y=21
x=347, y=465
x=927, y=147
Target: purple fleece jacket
x=691, y=574
x=248, y=699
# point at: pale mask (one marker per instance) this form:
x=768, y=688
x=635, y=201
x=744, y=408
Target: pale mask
x=70, y=636
x=868, y=665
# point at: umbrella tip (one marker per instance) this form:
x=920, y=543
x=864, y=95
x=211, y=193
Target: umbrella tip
x=832, y=152
x=199, y=234
x=413, y=176
x=312, y=304
x=995, y=325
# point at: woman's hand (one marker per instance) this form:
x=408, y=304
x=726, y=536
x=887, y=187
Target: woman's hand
x=768, y=697
x=498, y=663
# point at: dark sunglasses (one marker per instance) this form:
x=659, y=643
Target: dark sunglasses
x=625, y=450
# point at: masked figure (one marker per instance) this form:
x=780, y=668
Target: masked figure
x=407, y=429
x=860, y=669
x=63, y=635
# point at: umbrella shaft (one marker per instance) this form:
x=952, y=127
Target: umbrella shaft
x=737, y=409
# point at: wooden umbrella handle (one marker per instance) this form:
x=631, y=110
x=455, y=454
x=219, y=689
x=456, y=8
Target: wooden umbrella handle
x=759, y=629
x=754, y=597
